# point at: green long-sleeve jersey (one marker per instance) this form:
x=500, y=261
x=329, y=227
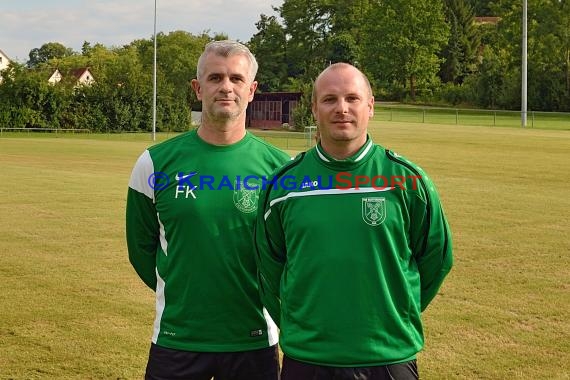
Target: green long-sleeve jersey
x=190, y=214
x=350, y=253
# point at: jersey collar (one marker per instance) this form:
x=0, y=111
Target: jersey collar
x=357, y=158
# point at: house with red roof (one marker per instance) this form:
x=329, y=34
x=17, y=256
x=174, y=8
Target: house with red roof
x=83, y=76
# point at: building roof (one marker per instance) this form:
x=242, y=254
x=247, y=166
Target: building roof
x=487, y=20
x=56, y=75
x=5, y=55
x=77, y=73
x=277, y=96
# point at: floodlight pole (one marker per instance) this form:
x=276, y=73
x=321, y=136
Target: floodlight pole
x=154, y=81
x=524, y=65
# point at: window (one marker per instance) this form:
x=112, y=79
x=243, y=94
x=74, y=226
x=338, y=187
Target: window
x=267, y=110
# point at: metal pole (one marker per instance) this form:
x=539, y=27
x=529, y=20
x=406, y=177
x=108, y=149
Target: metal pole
x=524, y=65
x=154, y=81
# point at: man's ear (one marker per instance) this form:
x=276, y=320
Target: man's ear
x=252, y=89
x=197, y=89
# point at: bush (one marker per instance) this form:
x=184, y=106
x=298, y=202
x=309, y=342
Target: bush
x=455, y=94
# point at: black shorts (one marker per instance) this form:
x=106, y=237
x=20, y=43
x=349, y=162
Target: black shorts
x=296, y=370
x=168, y=364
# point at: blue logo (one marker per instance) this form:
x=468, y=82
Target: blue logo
x=158, y=181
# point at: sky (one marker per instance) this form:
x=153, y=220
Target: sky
x=28, y=24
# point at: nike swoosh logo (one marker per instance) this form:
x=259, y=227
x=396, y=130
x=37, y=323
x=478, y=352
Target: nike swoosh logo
x=178, y=177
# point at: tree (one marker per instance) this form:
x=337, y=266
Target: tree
x=460, y=54
x=314, y=34
x=348, y=19
x=177, y=57
x=86, y=48
x=482, y=7
x=269, y=46
x=565, y=37
x=302, y=114
x=401, y=42
x=47, y=52
x=343, y=48
x=548, y=52
x=307, y=25
x=29, y=101
x=489, y=81
x=120, y=99
x=549, y=55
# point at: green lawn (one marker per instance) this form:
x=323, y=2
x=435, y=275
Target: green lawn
x=477, y=117
x=73, y=308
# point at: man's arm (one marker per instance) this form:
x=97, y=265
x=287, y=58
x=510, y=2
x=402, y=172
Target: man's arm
x=142, y=226
x=432, y=244
x=271, y=257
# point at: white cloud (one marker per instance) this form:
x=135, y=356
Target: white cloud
x=118, y=22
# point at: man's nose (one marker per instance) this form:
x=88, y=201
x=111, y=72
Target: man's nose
x=226, y=85
x=341, y=106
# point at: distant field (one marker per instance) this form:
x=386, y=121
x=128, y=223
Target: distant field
x=73, y=308
x=474, y=117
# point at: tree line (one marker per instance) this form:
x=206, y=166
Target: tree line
x=121, y=97
x=428, y=51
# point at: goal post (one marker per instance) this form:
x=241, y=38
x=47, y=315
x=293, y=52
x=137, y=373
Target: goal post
x=310, y=134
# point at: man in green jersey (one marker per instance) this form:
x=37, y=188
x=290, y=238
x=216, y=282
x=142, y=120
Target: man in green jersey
x=352, y=247
x=191, y=207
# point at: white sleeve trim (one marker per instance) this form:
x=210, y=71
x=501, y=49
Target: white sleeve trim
x=160, y=304
x=140, y=175
x=272, y=329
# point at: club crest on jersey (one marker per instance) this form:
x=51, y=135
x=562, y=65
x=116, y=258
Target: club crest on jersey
x=374, y=211
x=246, y=197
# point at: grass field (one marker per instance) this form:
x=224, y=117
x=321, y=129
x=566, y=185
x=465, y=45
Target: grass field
x=476, y=117
x=73, y=308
